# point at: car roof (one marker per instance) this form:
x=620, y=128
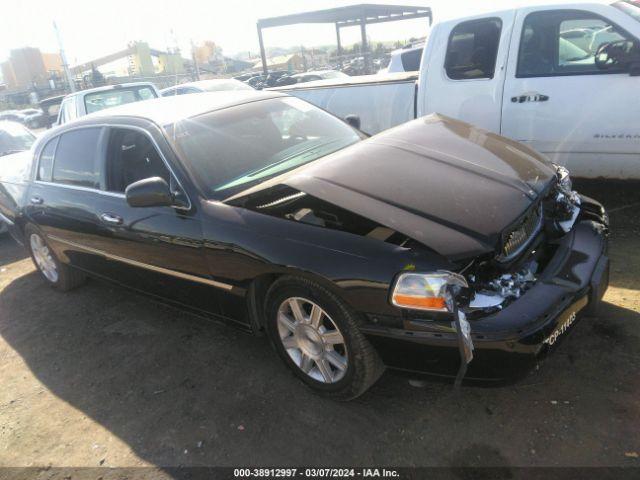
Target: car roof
x=112, y=87
x=202, y=84
x=168, y=110
x=11, y=124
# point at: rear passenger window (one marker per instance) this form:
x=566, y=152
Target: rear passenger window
x=472, y=49
x=411, y=60
x=76, y=158
x=132, y=156
x=45, y=165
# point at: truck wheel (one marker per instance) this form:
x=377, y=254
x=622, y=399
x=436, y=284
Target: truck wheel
x=316, y=335
x=60, y=276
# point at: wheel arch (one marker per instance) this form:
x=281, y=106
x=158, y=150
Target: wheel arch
x=260, y=285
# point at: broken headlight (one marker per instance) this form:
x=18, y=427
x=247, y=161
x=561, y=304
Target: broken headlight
x=426, y=291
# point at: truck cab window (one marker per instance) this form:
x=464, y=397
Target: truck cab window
x=472, y=49
x=563, y=43
x=411, y=60
x=76, y=158
x=132, y=156
x=67, y=111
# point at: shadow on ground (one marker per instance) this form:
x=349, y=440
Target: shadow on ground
x=163, y=382
x=10, y=251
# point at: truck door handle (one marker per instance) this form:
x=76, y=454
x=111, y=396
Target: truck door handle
x=111, y=219
x=530, y=97
x=36, y=200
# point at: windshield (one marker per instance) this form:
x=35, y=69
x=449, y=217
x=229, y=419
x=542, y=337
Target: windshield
x=14, y=138
x=119, y=96
x=230, y=150
x=630, y=8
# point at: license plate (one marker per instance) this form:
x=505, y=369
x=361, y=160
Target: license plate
x=565, y=320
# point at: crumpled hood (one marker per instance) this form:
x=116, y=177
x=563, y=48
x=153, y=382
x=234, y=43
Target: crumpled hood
x=444, y=183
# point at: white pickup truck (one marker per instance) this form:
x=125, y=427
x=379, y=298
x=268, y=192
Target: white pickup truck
x=562, y=78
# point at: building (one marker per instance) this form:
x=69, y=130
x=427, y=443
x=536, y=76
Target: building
x=53, y=63
x=28, y=67
x=170, y=63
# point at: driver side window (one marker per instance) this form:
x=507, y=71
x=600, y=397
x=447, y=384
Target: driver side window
x=132, y=156
x=555, y=43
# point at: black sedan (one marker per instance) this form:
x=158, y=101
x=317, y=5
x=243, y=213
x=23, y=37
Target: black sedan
x=425, y=248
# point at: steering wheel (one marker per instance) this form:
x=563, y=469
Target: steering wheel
x=605, y=57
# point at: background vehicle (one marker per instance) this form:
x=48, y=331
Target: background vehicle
x=244, y=76
x=14, y=139
x=13, y=116
x=318, y=75
x=34, y=118
x=256, y=81
x=557, y=77
x=84, y=102
x=51, y=107
x=205, y=86
x=350, y=252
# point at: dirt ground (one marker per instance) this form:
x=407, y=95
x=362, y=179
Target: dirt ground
x=102, y=376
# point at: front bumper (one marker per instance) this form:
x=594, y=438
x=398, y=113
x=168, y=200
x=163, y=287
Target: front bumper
x=511, y=340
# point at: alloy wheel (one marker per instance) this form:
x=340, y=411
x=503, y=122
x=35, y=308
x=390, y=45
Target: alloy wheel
x=44, y=259
x=312, y=340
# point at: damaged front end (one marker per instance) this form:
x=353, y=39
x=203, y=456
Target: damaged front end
x=513, y=305
x=288, y=203
x=525, y=250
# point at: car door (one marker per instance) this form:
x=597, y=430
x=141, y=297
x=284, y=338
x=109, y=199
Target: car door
x=464, y=69
x=155, y=249
x=78, y=200
x=558, y=101
x=63, y=195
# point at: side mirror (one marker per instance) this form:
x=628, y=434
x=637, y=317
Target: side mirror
x=149, y=192
x=353, y=120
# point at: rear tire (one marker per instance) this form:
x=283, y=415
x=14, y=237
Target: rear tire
x=57, y=274
x=316, y=335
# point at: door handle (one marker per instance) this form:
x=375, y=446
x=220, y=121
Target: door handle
x=111, y=219
x=530, y=97
x=36, y=200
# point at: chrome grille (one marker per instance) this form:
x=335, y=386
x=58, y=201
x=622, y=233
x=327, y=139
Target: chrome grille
x=517, y=239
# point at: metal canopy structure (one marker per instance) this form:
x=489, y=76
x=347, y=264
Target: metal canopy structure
x=349, y=16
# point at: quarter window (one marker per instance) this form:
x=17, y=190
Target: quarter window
x=132, y=156
x=76, y=158
x=564, y=42
x=473, y=49
x=45, y=165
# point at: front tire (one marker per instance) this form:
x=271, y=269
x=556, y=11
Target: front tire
x=58, y=275
x=316, y=335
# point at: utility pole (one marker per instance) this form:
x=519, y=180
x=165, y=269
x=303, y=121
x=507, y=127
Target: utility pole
x=63, y=57
x=195, y=60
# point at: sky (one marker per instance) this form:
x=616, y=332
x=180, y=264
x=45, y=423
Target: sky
x=91, y=28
